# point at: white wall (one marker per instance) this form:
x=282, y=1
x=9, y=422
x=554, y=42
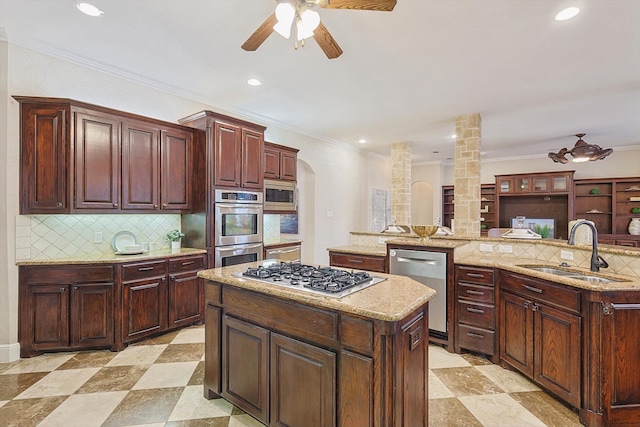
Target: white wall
x=342, y=177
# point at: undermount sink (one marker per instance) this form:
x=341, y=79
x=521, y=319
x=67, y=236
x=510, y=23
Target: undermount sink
x=570, y=274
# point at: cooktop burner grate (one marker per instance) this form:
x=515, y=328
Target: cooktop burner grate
x=323, y=280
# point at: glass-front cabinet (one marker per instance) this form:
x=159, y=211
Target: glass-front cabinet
x=547, y=182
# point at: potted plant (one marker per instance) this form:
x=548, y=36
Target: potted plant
x=174, y=237
x=635, y=210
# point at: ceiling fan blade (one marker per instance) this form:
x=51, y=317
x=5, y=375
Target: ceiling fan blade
x=261, y=34
x=382, y=5
x=326, y=42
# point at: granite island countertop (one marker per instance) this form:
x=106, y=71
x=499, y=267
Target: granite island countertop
x=390, y=300
x=112, y=258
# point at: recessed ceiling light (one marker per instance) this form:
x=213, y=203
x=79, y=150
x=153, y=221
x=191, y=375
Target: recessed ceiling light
x=567, y=13
x=254, y=82
x=453, y=136
x=362, y=141
x=89, y=9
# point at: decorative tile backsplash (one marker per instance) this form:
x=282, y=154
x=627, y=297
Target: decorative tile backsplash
x=42, y=237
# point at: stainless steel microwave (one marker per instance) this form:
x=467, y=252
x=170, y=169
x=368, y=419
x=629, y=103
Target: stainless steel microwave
x=280, y=196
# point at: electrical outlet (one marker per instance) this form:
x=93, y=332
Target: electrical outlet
x=97, y=237
x=568, y=255
x=485, y=247
x=329, y=214
x=505, y=249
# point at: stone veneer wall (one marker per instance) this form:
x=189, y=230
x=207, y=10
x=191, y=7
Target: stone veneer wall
x=401, y=183
x=466, y=222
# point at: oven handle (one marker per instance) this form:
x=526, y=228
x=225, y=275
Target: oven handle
x=238, y=205
x=234, y=248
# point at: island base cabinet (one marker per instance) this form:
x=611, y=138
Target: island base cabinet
x=245, y=361
x=541, y=340
x=612, y=369
x=298, y=372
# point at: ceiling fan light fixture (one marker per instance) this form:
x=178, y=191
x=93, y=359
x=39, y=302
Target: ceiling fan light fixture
x=581, y=152
x=308, y=21
x=285, y=13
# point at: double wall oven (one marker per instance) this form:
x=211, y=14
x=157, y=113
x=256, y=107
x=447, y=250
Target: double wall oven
x=238, y=227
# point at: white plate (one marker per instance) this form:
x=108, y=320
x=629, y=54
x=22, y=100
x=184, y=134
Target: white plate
x=138, y=252
x=122, y=239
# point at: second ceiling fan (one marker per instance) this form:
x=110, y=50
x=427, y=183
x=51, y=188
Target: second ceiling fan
x=299, y=16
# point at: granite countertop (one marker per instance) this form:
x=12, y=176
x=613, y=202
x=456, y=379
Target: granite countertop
x=620, y=283
x=390, y=300
x=360, y=250
x=112, y=258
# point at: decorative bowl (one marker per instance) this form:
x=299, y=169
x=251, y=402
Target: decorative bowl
x=424, y=231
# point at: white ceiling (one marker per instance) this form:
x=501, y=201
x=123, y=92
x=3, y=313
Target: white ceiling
x=404, y=75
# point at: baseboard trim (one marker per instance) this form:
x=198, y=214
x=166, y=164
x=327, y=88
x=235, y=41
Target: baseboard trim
x=9, y=352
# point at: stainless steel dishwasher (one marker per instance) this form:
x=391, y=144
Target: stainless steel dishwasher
x=430, y=269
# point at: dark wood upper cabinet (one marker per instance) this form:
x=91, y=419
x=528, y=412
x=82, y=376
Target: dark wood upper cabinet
x=44, y=158
x=97, y=161
x=176, y=148
x=280, y=162
x=233, y=150
x=78, y=157
x=140, y=185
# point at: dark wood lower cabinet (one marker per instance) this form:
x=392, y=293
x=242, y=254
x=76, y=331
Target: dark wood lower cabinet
x=65, y=308
x=299, y=365
x=540, y=336
x=77, y=307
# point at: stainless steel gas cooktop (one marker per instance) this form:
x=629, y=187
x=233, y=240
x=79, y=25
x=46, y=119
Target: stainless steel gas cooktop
x=325, y=281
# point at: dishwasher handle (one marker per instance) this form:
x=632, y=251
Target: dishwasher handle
x=424, y=261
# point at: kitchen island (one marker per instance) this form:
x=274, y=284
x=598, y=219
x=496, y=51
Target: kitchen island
x=290, y=357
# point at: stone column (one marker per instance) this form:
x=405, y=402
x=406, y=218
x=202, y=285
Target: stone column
x=466, y=219
x=401, y=183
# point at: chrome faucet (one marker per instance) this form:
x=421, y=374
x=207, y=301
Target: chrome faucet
x=596, y=260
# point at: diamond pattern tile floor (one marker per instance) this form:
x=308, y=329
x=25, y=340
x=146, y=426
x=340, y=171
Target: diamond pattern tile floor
x=158, y=382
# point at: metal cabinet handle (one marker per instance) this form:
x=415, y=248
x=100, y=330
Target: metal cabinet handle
x=59, y=204
x=356, y=261
x=472, y=292
x=532, y=289
x=115, y=205
x=535, y=307
x=476, y=275
x=188, y=263
x=474, y=335
x=527, y=304
x=475, y=310
x=145, y=268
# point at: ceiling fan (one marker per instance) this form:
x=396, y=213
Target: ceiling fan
x=305, y=22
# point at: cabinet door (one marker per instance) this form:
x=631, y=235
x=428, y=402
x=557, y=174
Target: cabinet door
x=92, y=314
x=245, y=361
x=303, y=385
x=213, y=351
x=516, y=332
x=44, y=159
x=176, y=169
x=252, y=152
x=288, y=166
x=227, y=153
x=271, y=163
x=97, y=157
x=140, y=189
x=186, y=299
x=144, y=308
x=557, y=352
x=48, y=323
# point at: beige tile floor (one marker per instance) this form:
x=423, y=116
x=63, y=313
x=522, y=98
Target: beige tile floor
x=158, y=382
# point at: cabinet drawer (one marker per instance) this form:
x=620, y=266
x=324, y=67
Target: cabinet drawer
x=477, y=339
x=483, y=276
x=68, y=274
x=480, y=315
x=530, y=287
x=143, y=270
x=476, y=293
x=359, y=262
x=193, y=263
